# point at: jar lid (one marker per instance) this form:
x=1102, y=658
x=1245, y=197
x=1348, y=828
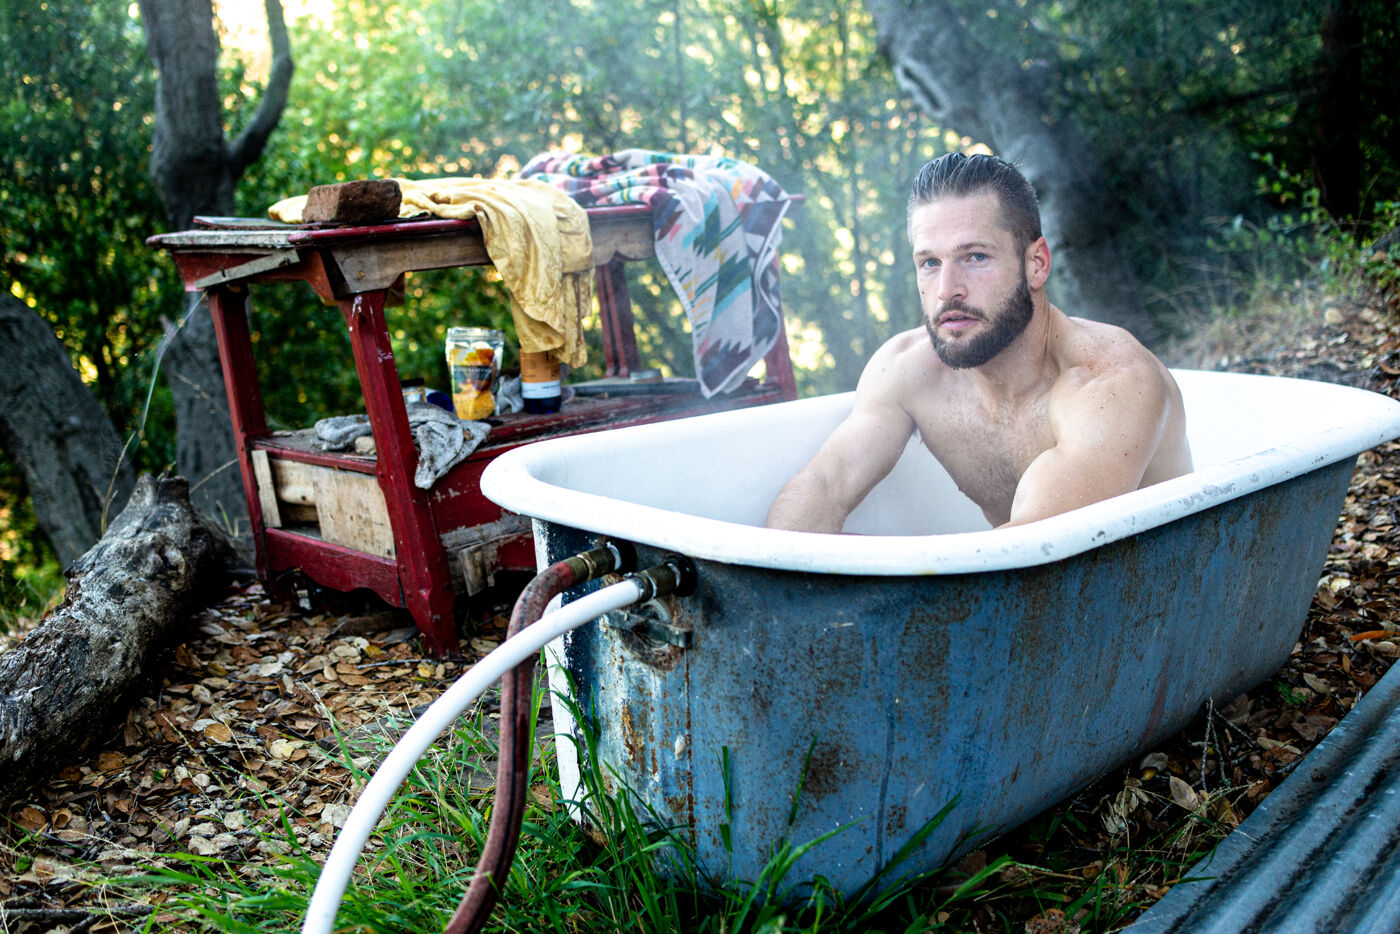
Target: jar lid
x=466, y=334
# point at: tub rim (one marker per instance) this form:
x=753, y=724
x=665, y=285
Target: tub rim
x=510, y=481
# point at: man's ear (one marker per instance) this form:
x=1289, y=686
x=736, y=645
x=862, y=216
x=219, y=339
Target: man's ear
x=1037, y=263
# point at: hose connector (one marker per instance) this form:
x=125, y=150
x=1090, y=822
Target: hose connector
x=674, y=575
x=607, y=558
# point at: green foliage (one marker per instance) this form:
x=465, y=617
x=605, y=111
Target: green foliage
x=1302, y=243
x=471, y=87
x=76, y=95
x=30, y=577
x=1292, y=696
x=1177, y=96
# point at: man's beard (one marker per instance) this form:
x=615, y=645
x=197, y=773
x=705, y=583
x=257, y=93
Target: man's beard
x=1003, y=328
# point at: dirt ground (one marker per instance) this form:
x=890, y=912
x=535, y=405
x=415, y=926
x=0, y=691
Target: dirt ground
x=239, y=716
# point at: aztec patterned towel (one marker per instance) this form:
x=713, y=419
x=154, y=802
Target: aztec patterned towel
x=717, y=226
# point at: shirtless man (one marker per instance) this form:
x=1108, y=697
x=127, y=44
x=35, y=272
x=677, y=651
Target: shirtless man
x=1032, y=412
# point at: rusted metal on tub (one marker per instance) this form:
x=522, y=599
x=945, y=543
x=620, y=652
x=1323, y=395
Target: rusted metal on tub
x=1003, y=691
x=632, y=739
x=652, y=633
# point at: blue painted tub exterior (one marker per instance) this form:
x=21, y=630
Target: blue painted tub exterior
x=890, y=675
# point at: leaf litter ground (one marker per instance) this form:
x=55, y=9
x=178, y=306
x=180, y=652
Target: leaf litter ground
x=238, y=731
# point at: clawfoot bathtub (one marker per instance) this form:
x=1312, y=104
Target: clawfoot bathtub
x=926, y=660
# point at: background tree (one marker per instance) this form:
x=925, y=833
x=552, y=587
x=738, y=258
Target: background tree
x=1144, y=124
x=797, y=90
x=58, y=434
x=196, y=169
x=987, y=91
x=75, y=206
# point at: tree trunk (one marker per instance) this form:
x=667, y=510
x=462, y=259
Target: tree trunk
x=70, y=680
x=968, y=88
x=1337, y=145
x=58, y=434
x=196, y=170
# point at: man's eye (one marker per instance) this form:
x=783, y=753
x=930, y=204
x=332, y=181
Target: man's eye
x=978, y=257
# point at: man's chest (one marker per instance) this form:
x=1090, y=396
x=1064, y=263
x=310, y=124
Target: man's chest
x=987, y=453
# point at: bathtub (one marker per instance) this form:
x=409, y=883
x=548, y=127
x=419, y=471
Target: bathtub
x=864, y=683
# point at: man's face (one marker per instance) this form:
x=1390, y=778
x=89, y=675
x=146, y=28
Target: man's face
x=972, y=279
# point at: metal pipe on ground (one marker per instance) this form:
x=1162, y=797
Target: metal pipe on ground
x=1320, y=854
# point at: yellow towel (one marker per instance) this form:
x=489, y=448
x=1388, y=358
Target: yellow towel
x=536, y=236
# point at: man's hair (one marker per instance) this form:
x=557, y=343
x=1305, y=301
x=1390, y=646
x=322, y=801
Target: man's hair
x=955, y=175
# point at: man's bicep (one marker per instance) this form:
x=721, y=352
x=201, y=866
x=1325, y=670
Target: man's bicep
x=1105, y=441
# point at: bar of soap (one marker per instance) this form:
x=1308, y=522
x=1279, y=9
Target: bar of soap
x=359, y=202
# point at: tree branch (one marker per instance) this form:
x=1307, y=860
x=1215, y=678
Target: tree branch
x=246, y=149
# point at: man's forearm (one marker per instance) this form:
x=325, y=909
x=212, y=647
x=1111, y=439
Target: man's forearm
x=801, y=506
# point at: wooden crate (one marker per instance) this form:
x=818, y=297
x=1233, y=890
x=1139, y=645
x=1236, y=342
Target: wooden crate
x=341, y=507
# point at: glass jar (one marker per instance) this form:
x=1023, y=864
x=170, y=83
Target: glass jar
x=474, y=365
x=540, y=389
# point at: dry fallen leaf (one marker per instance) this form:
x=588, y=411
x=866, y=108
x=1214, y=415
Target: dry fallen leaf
x=284, y=748
x=218, y=732
x=1316, y=683
x=31, y=818
x=1183, y=794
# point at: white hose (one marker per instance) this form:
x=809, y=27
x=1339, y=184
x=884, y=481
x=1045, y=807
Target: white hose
x=335, y=877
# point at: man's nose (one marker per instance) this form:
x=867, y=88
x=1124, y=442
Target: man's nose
x=951, y=284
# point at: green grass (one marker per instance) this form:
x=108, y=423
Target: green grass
x=424, y=851
x=423, y=854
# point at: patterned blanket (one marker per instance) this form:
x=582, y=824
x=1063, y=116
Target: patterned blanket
x=717, y=225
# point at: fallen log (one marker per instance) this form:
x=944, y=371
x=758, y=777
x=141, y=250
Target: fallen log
x=71, y=679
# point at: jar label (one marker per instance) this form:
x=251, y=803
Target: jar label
x=542, y=390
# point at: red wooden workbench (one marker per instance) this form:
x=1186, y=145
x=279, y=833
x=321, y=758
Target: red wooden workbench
x=434, y=541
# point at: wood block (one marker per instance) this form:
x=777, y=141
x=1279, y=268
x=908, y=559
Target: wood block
x=353, y=512
x=267, y=490
x=294, y=481
x=360, y=202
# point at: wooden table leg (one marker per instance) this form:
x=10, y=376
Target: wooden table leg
x=422, y=561
x=228, y=307
x=615, y=316
x=778, y=365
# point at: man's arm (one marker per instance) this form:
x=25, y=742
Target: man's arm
x=1107, y=429
x=857, y=455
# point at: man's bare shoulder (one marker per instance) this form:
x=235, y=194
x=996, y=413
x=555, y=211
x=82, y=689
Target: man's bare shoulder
x=906, y=361
x=911, y=345
x=1109, y=382
x=1095, y=352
